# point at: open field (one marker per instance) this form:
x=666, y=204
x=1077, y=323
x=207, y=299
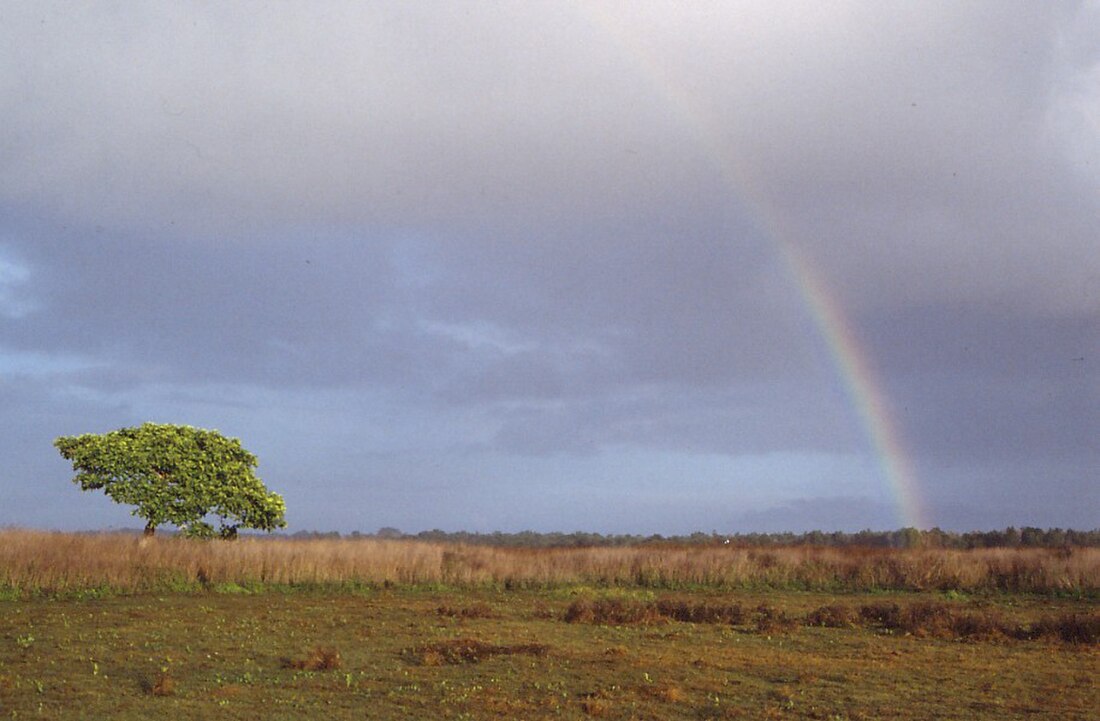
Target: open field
x=424, y=653
x=633, y=636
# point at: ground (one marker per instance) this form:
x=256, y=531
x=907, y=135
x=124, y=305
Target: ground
x=435, y=652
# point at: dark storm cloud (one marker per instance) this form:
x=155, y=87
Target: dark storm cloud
x=317, y=308
x=549, y=231
x=752, y=420
x=836, y=514
x=981, y=383
x=34, y=409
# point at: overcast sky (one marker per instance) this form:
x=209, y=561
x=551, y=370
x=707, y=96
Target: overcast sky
x=506, y=266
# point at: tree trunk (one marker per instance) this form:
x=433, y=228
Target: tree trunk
x=150, y=529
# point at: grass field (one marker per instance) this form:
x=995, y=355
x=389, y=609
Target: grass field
x=33, y=562
x=235, y=648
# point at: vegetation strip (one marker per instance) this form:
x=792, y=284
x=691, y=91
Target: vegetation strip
x=922, y=618
x=35, y=562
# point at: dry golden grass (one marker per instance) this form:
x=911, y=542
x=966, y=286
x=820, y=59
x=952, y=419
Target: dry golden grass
x=35, y=561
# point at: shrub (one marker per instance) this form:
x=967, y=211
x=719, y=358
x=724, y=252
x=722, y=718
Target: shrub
x=1070, y=627
x=886, y=615
x=731, y=614
x=928, y=618
x=612, y=612
x=986, y=625
x=834, y=616
x=772, y=620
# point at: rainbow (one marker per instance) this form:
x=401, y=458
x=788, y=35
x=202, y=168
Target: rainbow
x=851, y=359
x=854, y=365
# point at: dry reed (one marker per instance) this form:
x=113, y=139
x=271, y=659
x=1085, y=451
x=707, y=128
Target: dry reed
x=48, y=562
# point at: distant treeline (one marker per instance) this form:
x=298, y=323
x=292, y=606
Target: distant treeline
x=1010, y=537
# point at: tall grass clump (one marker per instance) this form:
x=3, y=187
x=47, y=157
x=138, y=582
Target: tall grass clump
x=45, y=562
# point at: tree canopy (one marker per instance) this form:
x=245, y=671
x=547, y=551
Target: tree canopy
x=178, y=475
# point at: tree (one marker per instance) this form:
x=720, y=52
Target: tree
x=176, y=474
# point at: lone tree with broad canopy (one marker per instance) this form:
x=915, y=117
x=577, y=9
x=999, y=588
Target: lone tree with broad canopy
x=178, y=475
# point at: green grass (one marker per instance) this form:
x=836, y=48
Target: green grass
x=415, y=653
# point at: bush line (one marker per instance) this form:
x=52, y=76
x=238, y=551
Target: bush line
x=923, y=619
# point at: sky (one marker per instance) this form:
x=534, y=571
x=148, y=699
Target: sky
x=572, y=265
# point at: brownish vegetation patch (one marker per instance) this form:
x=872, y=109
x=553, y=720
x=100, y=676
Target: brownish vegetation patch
x=612, y=612
x=931, y=619
x=730, y=613
x=469, y=650
x=886, y=615
x=321, y=658
x=477, y=610
x=663, y=692
x=162, y=685
x=623, y=611
x=1069, y=627
x=596, y=704
x=832, y=616
x=928, y=618
x=768, y=619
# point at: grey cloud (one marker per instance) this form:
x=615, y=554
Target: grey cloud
x=1018, y=492
x=255, y=114
x=829, y=514
x=297, y=309
x=562, y=225
x=974, y=382
x=752, y=420
x=251, y=116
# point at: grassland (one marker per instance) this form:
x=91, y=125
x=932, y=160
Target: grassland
x=113, y=627
x=33, y=562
